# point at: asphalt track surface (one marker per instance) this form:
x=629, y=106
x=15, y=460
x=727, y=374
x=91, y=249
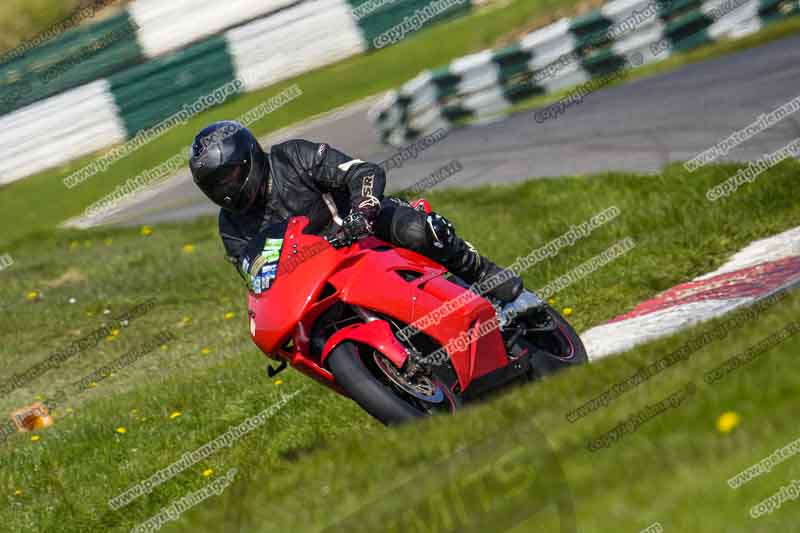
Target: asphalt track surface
x=638, y=126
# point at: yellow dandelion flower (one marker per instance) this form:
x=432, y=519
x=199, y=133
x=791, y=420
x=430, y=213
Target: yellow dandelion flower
x=32, y=295
x=175, y=415
x=567, y=311
x=552, y=301
x=278, y=382
x=114, y=332
x=146, y=230
x=35, y=438
x=229, y=315
x=188, y=248
x=17, y=492
x=164, y=347
x=205, y=351
x=121, y=430
x=207, y=472
x=727, y=421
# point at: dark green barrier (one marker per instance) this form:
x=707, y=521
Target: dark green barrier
x=446, y=83
x=774, y=10
x=689, y=31
x=675, y=9
x=602, y=63
x=512, y=61
x=375, y=23
x=151, y=92
x=590, y=30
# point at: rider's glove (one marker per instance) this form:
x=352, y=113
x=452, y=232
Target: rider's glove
x=356, y=226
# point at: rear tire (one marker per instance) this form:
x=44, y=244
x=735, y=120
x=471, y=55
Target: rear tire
x=571, y=353
x=366, y=390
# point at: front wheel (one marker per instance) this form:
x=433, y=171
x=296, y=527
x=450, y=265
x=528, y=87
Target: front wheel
x=382, y=390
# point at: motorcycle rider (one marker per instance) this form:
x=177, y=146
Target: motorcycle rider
x=342, y=197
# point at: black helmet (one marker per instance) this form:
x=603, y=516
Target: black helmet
x=229, y=165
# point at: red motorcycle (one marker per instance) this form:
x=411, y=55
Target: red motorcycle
x=377, y=324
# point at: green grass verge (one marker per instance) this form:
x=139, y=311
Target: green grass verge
x=23, y=19
x=672, y=470
x=22, y=204
x=320, y=456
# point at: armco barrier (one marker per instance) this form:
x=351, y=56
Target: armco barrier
x=564, y=54
x=180, y=51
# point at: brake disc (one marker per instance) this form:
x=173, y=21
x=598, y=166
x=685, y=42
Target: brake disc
x=421, y=387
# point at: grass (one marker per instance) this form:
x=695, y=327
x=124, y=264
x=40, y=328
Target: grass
x=673, y=470
x=25, y=19
x=320, y=457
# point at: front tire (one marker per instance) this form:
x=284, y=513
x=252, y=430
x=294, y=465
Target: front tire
x=376, y=398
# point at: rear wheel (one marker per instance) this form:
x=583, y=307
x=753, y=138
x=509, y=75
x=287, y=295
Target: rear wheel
x=556, y=343
x=382, y=390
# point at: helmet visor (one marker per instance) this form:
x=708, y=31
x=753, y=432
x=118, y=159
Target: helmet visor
x=226, y=185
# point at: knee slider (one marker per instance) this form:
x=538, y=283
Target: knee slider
x=409, y=228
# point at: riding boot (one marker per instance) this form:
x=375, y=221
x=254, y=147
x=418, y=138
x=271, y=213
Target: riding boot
x=463, y=260
x=484, y=276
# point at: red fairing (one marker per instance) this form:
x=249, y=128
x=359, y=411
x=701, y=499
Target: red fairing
x=376, y=334
x=277, y=311
x=423, y=205
x=467, y=364
x=389, y=281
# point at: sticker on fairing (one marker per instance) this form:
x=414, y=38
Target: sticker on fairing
x=264, y=269
x=268, y=273
x=272, y=250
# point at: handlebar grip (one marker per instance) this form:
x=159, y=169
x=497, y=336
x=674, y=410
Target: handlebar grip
x=339, y=241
